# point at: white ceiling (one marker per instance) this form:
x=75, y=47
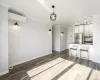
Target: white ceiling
x=68, y=11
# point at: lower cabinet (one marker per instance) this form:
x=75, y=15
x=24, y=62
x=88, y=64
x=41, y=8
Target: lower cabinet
x=83, y=50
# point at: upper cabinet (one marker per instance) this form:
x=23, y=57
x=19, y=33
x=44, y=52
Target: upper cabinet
x=76, y=29
x=79, y=29
x=88, y=30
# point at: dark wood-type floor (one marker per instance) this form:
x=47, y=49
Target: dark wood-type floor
x=19, y=71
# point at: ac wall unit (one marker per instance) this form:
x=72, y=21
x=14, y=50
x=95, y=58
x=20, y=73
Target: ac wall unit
x=17, y=17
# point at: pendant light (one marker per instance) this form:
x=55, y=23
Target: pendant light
x=53, y=15
x=16, y=24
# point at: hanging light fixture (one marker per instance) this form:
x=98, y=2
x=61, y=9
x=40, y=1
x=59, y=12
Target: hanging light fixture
x=53, y=15
x=16, y=24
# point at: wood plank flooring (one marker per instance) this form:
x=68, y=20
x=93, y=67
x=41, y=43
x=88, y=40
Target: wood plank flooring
x=52, y=72
x=56, y=67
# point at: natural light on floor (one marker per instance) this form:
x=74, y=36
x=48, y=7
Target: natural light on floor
x=61, y=69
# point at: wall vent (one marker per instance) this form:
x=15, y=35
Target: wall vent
x=13, y=15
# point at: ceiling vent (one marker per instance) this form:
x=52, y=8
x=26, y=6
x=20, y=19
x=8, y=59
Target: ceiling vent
x=16, y=17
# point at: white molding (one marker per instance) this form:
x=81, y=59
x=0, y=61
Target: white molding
x=56, y=50
x=96, y=61
x=26, y=60
x=62, y=50
x=2, y=73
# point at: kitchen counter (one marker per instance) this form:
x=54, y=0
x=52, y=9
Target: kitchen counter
x=82, y=46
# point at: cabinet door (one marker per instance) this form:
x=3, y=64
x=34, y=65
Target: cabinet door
x=76, y=29
x=87, y=30
x=81, y=30
x=91, y=29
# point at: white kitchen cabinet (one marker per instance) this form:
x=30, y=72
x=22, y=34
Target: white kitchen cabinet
x=70, y=37
x=91, y=29
x=82, y=46
x=88, y=30
x=76, y=28
x=79, y=29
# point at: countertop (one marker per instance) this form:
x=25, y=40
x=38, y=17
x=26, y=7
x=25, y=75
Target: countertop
x=83, y=44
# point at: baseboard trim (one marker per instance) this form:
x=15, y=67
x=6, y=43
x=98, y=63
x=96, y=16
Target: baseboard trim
x=5, y=72
x=61, y=50
x=22, y=62
x=31, y=61
x=35, y=62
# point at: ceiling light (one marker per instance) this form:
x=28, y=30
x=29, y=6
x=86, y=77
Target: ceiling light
x=16, y=24
x=62, y=33
x=16, y=27
x=53, y=15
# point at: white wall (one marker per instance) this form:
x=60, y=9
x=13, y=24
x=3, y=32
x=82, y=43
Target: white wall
x=56, y=38
x=96, y=39
x=3, y=40
x=59, y=42
x=70, y=37
x=63, y=38
x=28, y=41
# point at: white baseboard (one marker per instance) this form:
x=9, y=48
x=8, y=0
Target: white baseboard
x=63, y=50
x=2, y=73
x=96, y=61
x=60, y=50
x=17, y=63
x=57, y=50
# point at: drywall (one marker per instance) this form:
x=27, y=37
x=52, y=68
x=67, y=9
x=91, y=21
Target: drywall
x=59, y=41
x=28, y=41
x=56, y=38
x=96, y=39
x=70, y=36
x=3, y=40
x=63, y=39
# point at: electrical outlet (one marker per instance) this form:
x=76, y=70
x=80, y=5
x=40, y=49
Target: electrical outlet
x=11, y=67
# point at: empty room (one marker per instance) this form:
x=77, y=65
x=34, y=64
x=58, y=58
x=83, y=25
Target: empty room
x=49, y=40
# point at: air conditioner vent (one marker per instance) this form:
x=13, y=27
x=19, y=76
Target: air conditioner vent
x=16, y=16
